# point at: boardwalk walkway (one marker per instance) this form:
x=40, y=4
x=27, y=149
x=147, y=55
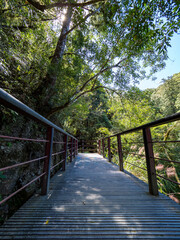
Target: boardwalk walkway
x=93, y=200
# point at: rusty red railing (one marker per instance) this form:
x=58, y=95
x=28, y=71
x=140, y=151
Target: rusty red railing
x=148, y=143
x=86, y=145
x=68, y=145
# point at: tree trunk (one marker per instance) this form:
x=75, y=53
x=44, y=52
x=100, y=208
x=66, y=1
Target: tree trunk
x=46, y=89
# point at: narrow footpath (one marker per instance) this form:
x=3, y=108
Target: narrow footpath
x=92, y=199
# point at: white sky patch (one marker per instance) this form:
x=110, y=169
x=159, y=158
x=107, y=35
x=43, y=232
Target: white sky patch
x=172, y=66
x=57, y=23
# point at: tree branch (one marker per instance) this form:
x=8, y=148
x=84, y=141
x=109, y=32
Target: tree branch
x=19, y=27
x=110, y=89
x=80, y=22
x=76, y=95
x=70, y=102
x=48, y=19
x=87, y=9
x=100, y=72
x=41, y=7
x=59, y=51
x=10, y=9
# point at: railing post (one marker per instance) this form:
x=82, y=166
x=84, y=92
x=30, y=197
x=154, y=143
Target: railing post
x=74, y=148
x=109, y=149
x=71, y=152
x=120, y=154
x=103, y=147
x=100, y=147
x=65, y=152
x=82, y=146
x=47, y=163
x=153, y=188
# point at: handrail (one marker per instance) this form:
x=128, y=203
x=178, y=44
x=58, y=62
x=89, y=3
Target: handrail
x=148, y=146
x=87, y=145
x=72, y=146
x=168, y=119
x=9, y=101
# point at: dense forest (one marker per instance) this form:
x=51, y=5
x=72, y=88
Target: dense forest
x=77, y=63
x=53, y=53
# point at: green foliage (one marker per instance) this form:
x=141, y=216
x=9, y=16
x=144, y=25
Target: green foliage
x=26, y=44
x=2, y=176
x=131, y=110
x=107, y=44
x=167, y=96
x=88, y=117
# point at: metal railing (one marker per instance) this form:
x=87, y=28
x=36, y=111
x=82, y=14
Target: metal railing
x=68, y=144
x=89, y=146
x=148, y=147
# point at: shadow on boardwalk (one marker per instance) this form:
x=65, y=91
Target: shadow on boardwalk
x=93, y=200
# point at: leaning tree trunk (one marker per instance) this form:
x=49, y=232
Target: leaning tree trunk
x=45, y=90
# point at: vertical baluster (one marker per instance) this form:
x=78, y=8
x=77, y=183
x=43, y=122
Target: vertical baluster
x=120, y=154
x=65, y=152
x=103, y=147
x=109, y=149
x=71, y=151
x=100, y=147
x=47, y=163
x=76, y=147
x=82, y=146
x=153, y=188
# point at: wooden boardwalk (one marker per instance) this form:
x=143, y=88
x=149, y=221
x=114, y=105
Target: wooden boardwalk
x=93, y=200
